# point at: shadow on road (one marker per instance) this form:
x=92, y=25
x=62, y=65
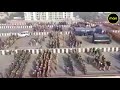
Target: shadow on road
x=87, y=40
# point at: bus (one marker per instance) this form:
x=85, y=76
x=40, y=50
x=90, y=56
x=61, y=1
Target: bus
x=101, y=38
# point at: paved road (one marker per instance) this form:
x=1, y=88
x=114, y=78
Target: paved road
x=88, y=42
x=29, y=66
x=62, y=61
x=5, y=61
x=22, y=43
x=113, y=57
x=14, y=30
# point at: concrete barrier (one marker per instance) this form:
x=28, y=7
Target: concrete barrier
x=58, y=50
x=54, y=51
x=79, y=50
x=35, y=33
x=12, y=26
x=61, y=50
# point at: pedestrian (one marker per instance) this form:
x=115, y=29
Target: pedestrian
x=67, y=69
x=108, y=63
x=103, y=66
x=80, y=43
x=100, y=66
x=93, y=50
x=88, y=60
x=103, y=58
x=97, y=61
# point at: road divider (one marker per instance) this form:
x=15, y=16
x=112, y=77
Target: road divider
x=31, y=33
x=14, y=26
x=46, y=33
x=60, y=50
x=4, y=26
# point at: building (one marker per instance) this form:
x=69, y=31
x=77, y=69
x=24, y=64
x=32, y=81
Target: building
x=48, y=16
x=16, y=22
x=3, y=15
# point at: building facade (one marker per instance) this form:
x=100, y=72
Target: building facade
x=48, y=16
x=3, y=15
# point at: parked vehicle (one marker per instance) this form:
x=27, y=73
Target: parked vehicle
x=83, y=31
x=101, y=38
x=24, y=34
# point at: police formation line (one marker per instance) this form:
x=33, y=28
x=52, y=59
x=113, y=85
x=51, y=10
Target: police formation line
x=60, y=50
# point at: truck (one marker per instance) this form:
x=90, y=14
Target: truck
x=83, y=31
x=101, y=38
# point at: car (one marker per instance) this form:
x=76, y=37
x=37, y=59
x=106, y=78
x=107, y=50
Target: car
x=24, y=34
x=101, y=38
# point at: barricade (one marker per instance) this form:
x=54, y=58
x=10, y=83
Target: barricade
x=60, y=50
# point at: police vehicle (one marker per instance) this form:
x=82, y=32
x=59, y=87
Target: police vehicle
x=83, y=31
x=101, y=38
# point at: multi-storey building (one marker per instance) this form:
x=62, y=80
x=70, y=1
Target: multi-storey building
x=48, y=16
x=3, y=15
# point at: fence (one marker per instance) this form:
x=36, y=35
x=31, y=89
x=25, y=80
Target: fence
x=25, y=26
x=13, y=26
x=116, y=31
x=31, y=33
x=61, y=50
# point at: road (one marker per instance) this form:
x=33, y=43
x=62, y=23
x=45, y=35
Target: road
x=113, y=57
x=88, y=42
x=29, y=66
x=5, y=61
x=62, y=61
x=13, y=30
x=22, y=43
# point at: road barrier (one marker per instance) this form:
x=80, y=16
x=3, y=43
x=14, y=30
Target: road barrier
x=46, y=33
x=14, y=26
x=25, y=26
x=61, y=50
x=32, y=33
x=116, y=31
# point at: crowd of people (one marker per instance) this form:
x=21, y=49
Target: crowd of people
x=99, y=60
x=8, y=42
x=17, y=67
x=54, y=41
x=36, y=41
x=44, y=65
x=80, y=61
x=40, y=28
x=79, y=24
x=73, y=41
